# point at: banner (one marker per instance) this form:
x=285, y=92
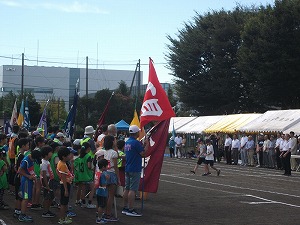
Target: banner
x=14, y=115
x=26, y=123
x=156, y=105
x=154, y=157
x=43, y=121
x=69, y=124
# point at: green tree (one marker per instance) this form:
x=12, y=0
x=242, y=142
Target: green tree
x=203, y=60
x=123, y=88
x=270, y=54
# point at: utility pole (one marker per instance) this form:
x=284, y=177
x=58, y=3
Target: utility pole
x=22, y=76
x=58, y=110
x=139, y=81
x=87, y=87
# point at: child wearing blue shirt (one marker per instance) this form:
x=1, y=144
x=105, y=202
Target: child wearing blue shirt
x=101, y=191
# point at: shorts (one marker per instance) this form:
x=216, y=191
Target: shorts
x=200, y=161
x=132, y=181
x=210, y=162
x=49, y=194
x=63, y=199
x=113, y=179
x=26, y=189
x=101, y=200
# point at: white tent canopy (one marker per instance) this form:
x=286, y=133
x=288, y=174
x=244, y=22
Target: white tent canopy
x=179, y=122
x=295, y=128
x=273, y=121
x=199, y=124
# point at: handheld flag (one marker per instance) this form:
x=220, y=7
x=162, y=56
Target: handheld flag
x=26, y=123
x=70, y=121
x=156, y=105
x=136, y=121
x=7, y=127
x=154, y=157
x=102, y=118
x=14, y=115
x=43, y=121
x=173, y=132
x=21, y=114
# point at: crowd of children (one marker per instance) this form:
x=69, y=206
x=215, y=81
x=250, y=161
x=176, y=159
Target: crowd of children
x=51, y=166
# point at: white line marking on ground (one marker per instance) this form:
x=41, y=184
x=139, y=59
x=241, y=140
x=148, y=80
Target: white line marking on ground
x=232, y=186
x=267, y=201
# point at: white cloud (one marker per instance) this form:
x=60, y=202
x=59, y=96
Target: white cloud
x=10, y=3
x=68, y=6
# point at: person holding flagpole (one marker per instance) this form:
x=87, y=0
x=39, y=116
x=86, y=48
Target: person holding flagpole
x=134, y=151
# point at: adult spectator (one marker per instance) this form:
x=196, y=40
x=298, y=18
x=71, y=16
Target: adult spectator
x=259, y=150
x=88, y=137
x=293, y=150
x=244, y=157
x=227, y=149
x=278, y=142
x=214, y=142
x=235, y=147
x=250, y=146
x=134, y=151
x=271, y=153
x=266, y=148
x=171, y=147
x=178, y=143
x=286, y=155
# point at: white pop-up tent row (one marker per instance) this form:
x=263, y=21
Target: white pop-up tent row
x=270, y=122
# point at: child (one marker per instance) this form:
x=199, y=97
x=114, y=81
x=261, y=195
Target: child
x=121, y=166
x=201, y=156
x=53, y=163
x=111, y=155
x=47, y=178
x=3, y=180
x=66, y=178
x=26, y=170
x=209, y=159
x=101, y=191
x=39, y=142
x=23, y=145
x=84, y=175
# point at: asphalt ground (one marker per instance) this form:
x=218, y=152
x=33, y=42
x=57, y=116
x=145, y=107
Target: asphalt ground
x=240, y=195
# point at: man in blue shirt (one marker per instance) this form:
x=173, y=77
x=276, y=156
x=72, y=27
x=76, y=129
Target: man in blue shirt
x=134, y=151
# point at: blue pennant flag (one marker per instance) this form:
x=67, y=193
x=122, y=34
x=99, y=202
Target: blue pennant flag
x=173, y=132
x=7, y=126
x=42, y=127
x=26, y=123
x=69, y=124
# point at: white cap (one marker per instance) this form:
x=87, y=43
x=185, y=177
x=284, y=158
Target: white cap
x=60, y=134
x=134, y=129
x=89, y=130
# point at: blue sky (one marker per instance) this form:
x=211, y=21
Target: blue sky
x=114, y=34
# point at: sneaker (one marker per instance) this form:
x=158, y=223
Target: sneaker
x=218, y=172
x=48, y=214
x=4, y=207
x=192, y=171
x=78, y=203
x=205, y=174
x=29, y=205
x=71, y=214
x=90, y=206
x=36, y=207
x=110, y=218
x=66, y=220
x=101, y=221
x=16, y=214
x=125, y=210
x=133, y=213
x=54, y=204
x=25, y=218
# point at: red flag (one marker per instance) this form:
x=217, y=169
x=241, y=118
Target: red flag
x=154, y=157
x=156, y=105
x=102, y=119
